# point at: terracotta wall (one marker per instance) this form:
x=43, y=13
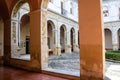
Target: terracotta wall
x=91, y=40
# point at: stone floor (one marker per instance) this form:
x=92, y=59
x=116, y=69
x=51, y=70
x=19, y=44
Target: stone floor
x=8, y=73
x=23, y=57
x=112, y=71
x=65, y=63
x=69, y=64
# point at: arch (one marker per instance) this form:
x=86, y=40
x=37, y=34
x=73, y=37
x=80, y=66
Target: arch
x=25, y=33
x=18, y=5
x=51, y=23
x=64, y=27
x=20, y=29
x=50, y=34
x=72, y=34
x=63, y=37
x=119, y=38
x=24, y=19
x=73, y=29
x=108, y=39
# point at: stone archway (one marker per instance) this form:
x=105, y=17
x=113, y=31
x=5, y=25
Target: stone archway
x=51, y=36
x=72, y=31
x=20, y=30
x=62, y=38
x=25, y=34
x=119, y=39
x=108, y=39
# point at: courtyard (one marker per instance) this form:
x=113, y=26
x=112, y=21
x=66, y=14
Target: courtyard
x=69, y=64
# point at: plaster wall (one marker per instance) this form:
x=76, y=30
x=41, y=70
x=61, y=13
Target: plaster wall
x=113, y=7
x=56, y=7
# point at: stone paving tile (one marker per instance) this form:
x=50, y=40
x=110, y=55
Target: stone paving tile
x=70, y=63
x=65, y=63
x=112, y=71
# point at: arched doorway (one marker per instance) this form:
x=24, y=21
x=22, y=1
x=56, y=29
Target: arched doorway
x=62, y=38
x=20, y=31
x=50, y=36
x=72, y=31
x=119, y=38
x=108, y=39
x=25, y=33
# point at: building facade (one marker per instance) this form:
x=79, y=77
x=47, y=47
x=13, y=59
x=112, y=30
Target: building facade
x=111, y=13
x=62, y=26
x=62, y=22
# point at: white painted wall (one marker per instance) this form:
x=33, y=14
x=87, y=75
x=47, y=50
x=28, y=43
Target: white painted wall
x=25, y=31
x=113, y=10
x=56, y=7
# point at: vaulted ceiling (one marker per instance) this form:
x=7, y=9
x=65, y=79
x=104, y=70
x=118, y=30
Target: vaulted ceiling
x=4, y=13
x=6, y=7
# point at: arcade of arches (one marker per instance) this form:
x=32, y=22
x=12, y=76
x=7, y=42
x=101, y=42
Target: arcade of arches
x=35, y=21
x=112, y=36
x=59, y=39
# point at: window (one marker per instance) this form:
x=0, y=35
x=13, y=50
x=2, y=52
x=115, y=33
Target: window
x=71, y=8
x=62, y=8
x=71, y=12
x=105, y=11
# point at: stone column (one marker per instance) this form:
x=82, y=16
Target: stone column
x=115, y=42
x=68, y=42
x=7, y=41
x=57, y=47
x=92, y=55
x=14, y=37
x=76, y=46
x=43, y=39
x=38, y=48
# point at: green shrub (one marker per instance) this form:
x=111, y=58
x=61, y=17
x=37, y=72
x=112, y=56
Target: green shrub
x=113, y=55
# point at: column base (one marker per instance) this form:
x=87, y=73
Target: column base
x=76, y=48
x=115, y=47
x=57, y=50
x=68, y=49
